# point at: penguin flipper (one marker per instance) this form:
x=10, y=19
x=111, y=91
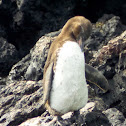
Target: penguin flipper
x=96, y=77
x=47, y=82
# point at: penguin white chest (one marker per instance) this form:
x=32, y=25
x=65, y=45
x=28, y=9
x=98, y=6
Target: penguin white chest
x=69, y=89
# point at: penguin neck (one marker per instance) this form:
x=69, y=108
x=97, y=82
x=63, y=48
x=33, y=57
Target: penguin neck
x=67, y=37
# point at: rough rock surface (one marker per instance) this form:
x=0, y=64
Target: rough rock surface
x=110, y=59
x=116, y=118
x=21, y=99
x=8, y=56
x=105, y=29
x=20, y=17
x=25, y=21
x=31, y=66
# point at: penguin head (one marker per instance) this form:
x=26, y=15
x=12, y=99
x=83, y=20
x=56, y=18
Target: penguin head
x=77, y=29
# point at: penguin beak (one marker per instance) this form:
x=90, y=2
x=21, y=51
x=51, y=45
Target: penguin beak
x=81, y=43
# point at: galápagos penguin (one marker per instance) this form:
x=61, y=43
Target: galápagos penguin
x=65, y=87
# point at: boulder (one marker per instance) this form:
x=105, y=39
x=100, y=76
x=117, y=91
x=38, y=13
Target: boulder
x=19, y=101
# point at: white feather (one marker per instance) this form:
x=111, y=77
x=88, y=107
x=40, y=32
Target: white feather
x=69, y=89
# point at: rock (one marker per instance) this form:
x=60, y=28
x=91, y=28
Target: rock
x=38, y=58
x=37, y=121
x=2, y=31
x=20, y=17
x=18, y=70
x=8, y=56
x=3, y=81
x=31, y=66
x=105, y=29
x=115, y=117
x=97, y=119
x=20, y=101
x=89, y=115
x=114, y=48
x=110, y=60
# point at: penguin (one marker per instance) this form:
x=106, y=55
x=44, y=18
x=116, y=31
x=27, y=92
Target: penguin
x=64, y=82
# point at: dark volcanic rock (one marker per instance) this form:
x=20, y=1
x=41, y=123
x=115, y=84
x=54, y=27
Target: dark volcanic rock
x=106, y=28
x=8, y=56
x=90, y=115
x=20, y=101
x=23, y=22
x=110, y=59
x=31, y=66
x=115, y=117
